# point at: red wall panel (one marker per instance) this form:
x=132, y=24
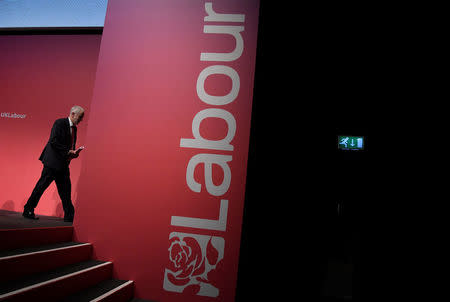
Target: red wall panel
x=170, y=223
x=41, y=78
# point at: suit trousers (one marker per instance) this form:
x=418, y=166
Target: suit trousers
x=63, y=184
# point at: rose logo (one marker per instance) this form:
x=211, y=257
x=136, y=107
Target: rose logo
x=194, y=261
x=185, y=256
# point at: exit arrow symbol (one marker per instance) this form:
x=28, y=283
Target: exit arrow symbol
x=353, y=143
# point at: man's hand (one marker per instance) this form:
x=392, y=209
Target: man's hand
x=73, y=154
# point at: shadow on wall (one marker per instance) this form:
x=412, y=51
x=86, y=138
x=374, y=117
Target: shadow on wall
x=59, y=210
x=8, y=205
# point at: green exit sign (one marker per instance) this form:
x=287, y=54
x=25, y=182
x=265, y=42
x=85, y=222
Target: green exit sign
x=351, y=142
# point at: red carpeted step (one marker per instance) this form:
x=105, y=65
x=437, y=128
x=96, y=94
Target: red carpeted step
x=111, y=290
x=56, y=284
x=44, y=264
x=19, y=238
x=25, y=261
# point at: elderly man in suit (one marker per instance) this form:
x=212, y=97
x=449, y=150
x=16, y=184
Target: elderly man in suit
x=56, y=157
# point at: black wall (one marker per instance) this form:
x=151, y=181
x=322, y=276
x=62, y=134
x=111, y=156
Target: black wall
x=316, y=78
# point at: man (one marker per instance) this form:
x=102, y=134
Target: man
x=56, y=157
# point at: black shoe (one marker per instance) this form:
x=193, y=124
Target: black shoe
x=29, y=214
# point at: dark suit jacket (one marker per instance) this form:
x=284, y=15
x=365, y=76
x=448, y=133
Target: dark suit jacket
x=55, y=153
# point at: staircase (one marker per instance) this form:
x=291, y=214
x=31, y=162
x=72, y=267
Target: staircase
x=43, y=264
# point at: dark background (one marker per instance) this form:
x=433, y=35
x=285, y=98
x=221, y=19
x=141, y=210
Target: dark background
x=317, y=76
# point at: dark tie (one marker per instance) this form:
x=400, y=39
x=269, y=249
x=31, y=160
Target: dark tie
x=72, y=145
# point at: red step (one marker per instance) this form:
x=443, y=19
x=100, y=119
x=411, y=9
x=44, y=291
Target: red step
x=43, y=264
x=107, y=291
x=19, y=238
x=57, y=284
x=26, y=261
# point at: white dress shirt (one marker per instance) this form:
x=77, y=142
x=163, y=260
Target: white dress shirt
x=70, y=124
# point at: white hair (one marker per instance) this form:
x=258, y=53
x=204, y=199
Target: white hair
x=76, y=109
